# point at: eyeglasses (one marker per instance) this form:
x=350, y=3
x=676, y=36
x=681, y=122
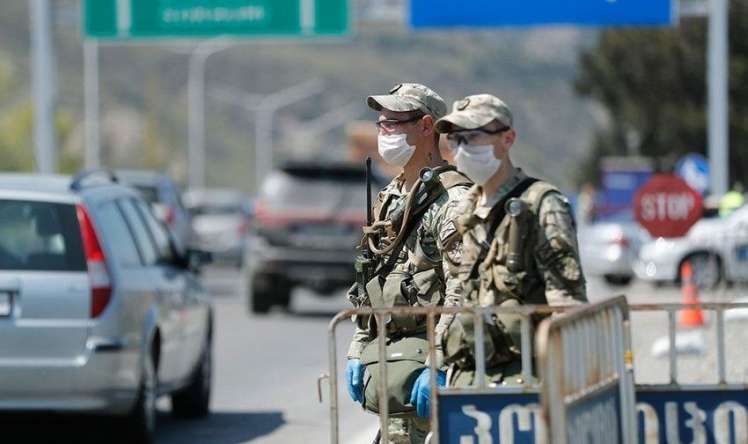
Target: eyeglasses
x=390, y=125
x=467, y=137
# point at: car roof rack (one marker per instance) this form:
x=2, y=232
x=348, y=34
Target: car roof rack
x=81, y=177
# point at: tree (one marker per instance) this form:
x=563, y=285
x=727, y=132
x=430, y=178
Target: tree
x=652, y=83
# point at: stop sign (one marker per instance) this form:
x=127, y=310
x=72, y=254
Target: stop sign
x=666, y=206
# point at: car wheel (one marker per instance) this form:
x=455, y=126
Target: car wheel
x=282, y=295
x=707, y=270
x=193, y=401
x=267, y=292
x=259, y=295
x=617, y=280
x=140, y=425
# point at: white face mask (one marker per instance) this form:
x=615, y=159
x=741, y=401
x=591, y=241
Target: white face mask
x=477, y=162
x=394, y=149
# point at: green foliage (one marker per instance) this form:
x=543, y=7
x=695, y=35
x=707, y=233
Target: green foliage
x=68, y=162
x=17, y=125
x=16, y=148
x=652, y=83
x=16, y=143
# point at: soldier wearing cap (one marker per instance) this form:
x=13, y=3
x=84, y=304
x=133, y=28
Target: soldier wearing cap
x=417, y=259
x=519, y=240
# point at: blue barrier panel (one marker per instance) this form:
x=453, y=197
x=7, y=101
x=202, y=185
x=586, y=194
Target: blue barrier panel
x=702, y=416
x=596, y=418
x=492, y=13
x=664, y=416
x=490, y=418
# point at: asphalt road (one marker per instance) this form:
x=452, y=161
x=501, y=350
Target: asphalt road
x=265, y=388
x=267, y=368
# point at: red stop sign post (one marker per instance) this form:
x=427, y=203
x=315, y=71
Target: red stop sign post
x=666, y=206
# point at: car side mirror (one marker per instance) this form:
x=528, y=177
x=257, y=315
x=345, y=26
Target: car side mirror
x=196, y=259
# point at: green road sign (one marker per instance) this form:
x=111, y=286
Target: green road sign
x=124, y=19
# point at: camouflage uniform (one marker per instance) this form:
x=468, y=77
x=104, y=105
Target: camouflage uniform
x=547, y=268
x=434, y=244
x=432, y=251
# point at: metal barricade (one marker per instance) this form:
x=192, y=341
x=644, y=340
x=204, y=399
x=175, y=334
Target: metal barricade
x=665, y=411
x=694, y=412
x=526, y=313
x=586, y=367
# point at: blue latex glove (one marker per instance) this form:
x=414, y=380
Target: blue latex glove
x=354, y=377
x=420, y=395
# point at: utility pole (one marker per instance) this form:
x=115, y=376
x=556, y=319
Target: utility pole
x=43, y=84
x=91, y=92
x=718, y=58
x=263, y=109
x=309, y=133
x=196, y=92
x=718, y=81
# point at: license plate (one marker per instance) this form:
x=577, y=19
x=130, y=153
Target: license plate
x=6, y=304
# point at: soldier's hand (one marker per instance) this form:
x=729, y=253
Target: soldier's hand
x=420, y=395
x=354, y=376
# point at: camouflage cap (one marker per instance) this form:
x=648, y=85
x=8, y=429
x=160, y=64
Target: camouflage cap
x=474, y=112
x=407, y=97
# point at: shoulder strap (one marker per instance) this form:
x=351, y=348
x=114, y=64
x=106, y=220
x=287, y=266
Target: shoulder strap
x=410, y=224
x=535, y=194
x=453, y=178
x=496, y=215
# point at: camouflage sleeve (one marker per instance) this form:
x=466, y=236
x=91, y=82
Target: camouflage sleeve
x=449, y=241
x=361, y=338
x=557, y=254
x=361, y=334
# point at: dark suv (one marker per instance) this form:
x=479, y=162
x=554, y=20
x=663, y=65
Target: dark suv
x=308, y=220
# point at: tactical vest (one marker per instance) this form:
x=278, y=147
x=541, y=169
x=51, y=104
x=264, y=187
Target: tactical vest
x=423, y=287
x=498, y=283
x=523, y=282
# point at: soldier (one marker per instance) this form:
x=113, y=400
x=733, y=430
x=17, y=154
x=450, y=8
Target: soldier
x=416, y=249
x=519, y=240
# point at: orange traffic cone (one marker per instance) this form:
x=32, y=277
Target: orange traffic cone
x=691, y=317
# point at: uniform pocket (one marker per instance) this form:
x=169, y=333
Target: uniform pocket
x=508, y=283
x=405, y=360
x=428, y=288
x=375, y=293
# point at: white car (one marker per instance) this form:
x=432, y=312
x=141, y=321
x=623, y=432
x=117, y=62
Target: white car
x=221, y=220
x=717, y=249
x=609, y=249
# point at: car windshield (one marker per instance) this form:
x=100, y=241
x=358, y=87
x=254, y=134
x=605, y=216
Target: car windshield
x=335, y=189
x=40, y=236
x=216, y=210
x=150, y=194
